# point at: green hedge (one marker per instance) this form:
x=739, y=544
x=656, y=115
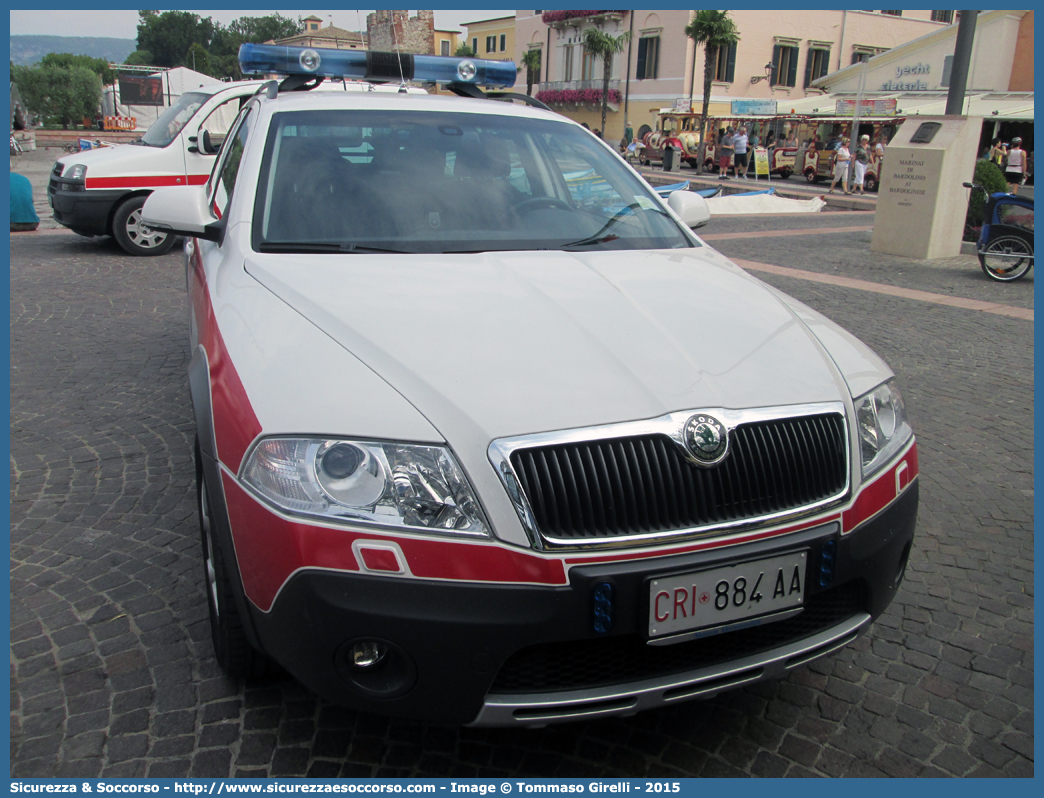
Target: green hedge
x=988, y=175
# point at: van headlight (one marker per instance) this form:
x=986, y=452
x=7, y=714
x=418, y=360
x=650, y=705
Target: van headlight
x=883, y=428
x=393, y=484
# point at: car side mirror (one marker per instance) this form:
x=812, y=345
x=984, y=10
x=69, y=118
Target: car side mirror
x=691, y=208
x=182, y=210
x=202, y=143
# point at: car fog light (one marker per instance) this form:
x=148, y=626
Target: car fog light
x=368, y=655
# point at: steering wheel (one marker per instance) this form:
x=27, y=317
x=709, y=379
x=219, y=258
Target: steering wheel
x=542, y=202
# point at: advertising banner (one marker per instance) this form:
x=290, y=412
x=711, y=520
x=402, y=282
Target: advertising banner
x=754, y=107
x=871, y=107
x=141, y=90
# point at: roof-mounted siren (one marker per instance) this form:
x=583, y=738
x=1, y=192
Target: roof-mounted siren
x=373, y=66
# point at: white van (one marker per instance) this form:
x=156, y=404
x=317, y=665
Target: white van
x=100, y=192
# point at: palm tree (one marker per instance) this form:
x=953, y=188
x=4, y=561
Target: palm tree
x=714, y=30
x=603, y=45
x=531, y=63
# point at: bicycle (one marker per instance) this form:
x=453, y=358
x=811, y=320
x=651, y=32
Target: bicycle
x=1005, y=245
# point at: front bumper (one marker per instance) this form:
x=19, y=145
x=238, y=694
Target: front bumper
x=84, y=212
x=497, y=655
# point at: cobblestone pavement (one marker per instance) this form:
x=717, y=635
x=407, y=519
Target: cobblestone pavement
x=112, y=671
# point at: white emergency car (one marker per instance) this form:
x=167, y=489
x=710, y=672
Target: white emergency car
x=100, y=192
x=487, y=435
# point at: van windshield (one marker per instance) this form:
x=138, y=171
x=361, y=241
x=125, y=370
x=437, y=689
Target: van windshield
x=165, y=129
x=384, y=181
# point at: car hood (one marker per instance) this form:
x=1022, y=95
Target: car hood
x=121, y=159
x=499, y=344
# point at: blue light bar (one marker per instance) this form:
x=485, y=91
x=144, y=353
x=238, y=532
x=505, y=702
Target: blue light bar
x=373, y=66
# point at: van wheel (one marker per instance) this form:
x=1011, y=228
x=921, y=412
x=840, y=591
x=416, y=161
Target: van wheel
x=135, y=237
x=232, y=650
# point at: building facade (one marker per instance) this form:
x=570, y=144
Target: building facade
x=446, y=41
x=492, y=38
x=397, y=30
x=315, y=35
x=779, y=55
x=916, y=76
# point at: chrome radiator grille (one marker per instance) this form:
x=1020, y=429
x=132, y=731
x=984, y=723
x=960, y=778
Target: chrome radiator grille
x=582, y=492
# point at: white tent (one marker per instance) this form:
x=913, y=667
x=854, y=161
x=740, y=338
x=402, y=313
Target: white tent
x=175, y=82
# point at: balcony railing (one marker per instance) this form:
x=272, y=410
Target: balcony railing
x=563, y=19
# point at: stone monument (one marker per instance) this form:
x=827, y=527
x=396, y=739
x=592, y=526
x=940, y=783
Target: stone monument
x=921, y=204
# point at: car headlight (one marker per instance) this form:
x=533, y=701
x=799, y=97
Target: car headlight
x=883, y=429
x=393, y=484
x=76, y=172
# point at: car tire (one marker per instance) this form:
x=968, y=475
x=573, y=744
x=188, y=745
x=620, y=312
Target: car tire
x=232, y=649
x=133, y=236
x=786, y=173
x=870, y=183
x=1007, y=258
x=811, y=177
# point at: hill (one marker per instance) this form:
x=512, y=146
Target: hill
x=28, y=50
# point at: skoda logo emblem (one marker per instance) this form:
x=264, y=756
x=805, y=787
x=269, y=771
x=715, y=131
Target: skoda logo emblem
x=706, y=439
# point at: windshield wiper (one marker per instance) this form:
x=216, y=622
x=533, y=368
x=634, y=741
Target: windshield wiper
x=600, y=237
x=312, y=246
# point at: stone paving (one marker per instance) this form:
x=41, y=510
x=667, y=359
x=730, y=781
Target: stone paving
x=112, y=672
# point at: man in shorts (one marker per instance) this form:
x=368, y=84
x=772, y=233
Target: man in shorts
x=726, y=149
x=740, y=141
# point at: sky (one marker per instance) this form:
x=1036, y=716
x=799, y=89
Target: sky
x=123, y=23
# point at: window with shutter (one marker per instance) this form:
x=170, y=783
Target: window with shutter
x=784, y=65
x=503, y=42
x=725, y=68
x=648, y=57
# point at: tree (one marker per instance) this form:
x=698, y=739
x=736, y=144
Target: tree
x=464, y=51
x=224, y=45
x=168, y=36
x=714, y=30
x=603, y=45
x=63, y=95
x=139, y=58
x=531, y=63
x=68, y=61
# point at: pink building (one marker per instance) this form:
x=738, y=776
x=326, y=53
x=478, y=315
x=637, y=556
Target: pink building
x=779, y=54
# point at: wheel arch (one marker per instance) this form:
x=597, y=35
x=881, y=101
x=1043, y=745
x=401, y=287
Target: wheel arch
x=110, y=230
x=209, y=468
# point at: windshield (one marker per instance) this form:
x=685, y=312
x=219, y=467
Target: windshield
x=393, y=181
x=164, y=129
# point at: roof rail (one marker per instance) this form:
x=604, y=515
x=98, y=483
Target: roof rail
x=470, y=90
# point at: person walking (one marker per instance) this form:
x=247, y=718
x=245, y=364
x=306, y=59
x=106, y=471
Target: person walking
x=1015, y=171
x=726, y=149
x=741, y=142
x=842, y=157
x=862, y=161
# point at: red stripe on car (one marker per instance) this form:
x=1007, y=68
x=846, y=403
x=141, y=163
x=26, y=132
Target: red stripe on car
x=146, y=181
x=235, y=424
x=270, y=548
x=882, y=491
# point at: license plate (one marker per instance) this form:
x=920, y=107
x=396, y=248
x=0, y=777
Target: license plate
x=726, y=595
